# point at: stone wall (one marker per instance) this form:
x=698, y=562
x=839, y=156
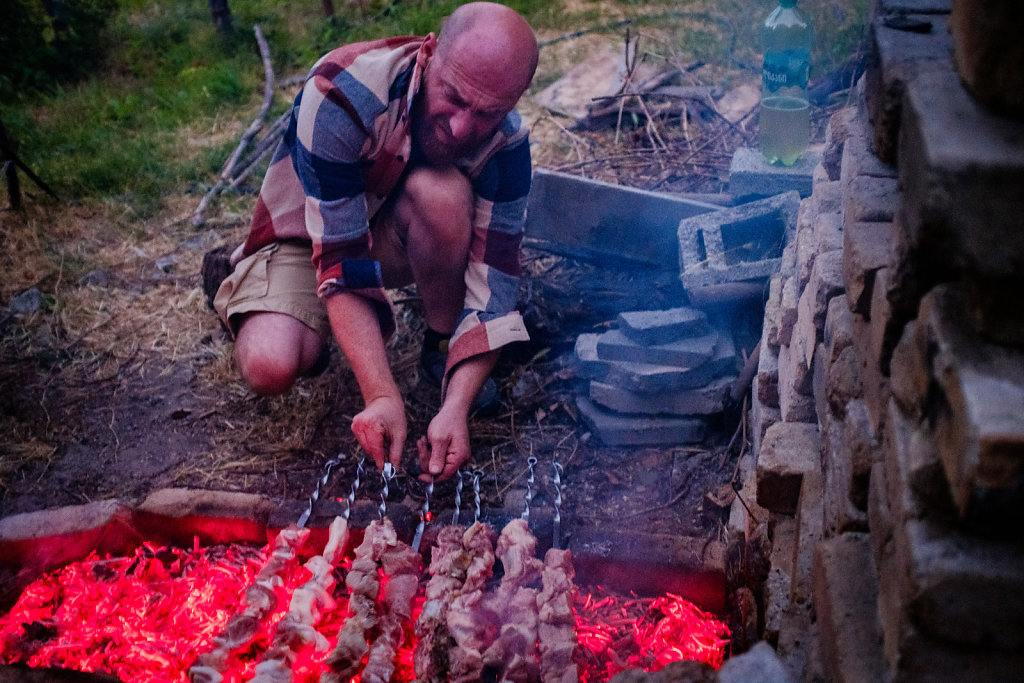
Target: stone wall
x=888, y=407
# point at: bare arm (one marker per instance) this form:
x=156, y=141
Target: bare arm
x=381, y=427
x=446, y=446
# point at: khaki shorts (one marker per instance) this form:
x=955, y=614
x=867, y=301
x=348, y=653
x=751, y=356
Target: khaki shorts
x=278, y=278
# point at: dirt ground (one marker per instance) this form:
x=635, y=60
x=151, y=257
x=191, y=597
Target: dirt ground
x=120, y=382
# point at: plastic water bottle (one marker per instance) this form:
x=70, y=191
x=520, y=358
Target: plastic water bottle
x=785, y=125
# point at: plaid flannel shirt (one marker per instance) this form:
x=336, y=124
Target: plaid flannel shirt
x=346, y=148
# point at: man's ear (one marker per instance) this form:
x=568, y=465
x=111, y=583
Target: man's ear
x=426, y=50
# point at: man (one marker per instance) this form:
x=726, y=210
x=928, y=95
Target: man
x=404, y=162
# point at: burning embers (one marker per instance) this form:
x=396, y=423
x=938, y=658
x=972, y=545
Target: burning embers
x=175, y=615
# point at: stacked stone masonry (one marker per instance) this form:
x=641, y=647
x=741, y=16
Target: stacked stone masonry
x=888, y=406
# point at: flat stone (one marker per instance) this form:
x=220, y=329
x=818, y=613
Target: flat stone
x=751, y=177
x=648, y=378
x=846, y=591
x=961, y=169
x=663, y=327
x=614, y=429
x=788, y=451
x=706, y=400
x=685, y=353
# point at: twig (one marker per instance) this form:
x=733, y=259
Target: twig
x=229, y=167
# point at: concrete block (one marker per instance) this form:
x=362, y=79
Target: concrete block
x=751, y=177
x=768, y=376
x=977, y=406
x=961, y=169
x=739, y=244
x=684, y=353
x=988, y=53
x=899, y=57
x=706, y=400
x=865, y=250
x=663, y=327
x=846, y=591
x=613, y=429
x=759, y=663
x=788, y=452
x=870, y=199
x=651, y=378
x=838, y=331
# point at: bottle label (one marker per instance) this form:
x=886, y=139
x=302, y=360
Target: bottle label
x=785, y=69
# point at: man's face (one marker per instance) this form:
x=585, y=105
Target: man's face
x=461, y=103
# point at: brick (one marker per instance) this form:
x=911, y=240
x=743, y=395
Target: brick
x=809, y=518
x=685, y=353
x=744, y=513
x=912, y=456
x=870, y=199
x=662, y=327
x=738, y=244
x=779, y=581
x=761, y=418
x=788, y=451
x=954, y=586
x=826, y=282
x=885, y=7
x=840, y=126
x=859, y=159
x=794, y=376
x=909, y=376
x=977, y=406
x=794, y=639
x=843, y=383
x=806, y=246
x=178, y=515
x=706, y=400
x=839, y=514
x=838, y=330
x=768, y=376
x=828, y=230
x=751, y=178
x=846, y=591
x=787, y=309
x=613, y=429
x=861, y=449
x=773, y=311
x=886, y=325
x=819, y=385
x=827, y=198
x=988, y=53
x=961, y=169
x=874, y=384
x=899, y=57
x=805, y=332
x=995, y=311
x=865, y=250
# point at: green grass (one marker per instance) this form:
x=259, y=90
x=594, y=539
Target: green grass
x=141, y=127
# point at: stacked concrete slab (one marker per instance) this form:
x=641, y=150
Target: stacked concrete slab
x=888, y=412
x=655, y=377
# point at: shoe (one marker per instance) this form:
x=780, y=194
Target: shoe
x=216, y=268
x=432, y=365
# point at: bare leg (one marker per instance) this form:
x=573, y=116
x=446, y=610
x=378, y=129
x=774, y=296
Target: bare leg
x=432, y=216
x=272, y=350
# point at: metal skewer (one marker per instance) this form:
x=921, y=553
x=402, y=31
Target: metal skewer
x=304, y=517
x=476, y=494
x=530, y=462
x=458, y=498
x=424, y=516
x=355, y=489
x=386, y=474
x=556, y=523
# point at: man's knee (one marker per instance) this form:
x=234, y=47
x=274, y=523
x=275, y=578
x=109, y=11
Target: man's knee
x=272, y=350
x=266, y=375
x=438, y=196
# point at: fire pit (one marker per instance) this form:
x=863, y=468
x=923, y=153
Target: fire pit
x=150, y=591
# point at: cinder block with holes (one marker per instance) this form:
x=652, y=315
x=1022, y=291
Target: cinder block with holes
x=723, y=251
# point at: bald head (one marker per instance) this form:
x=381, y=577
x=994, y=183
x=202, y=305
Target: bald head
x=493, y=36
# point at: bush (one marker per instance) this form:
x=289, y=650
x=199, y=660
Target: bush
x=48, y=42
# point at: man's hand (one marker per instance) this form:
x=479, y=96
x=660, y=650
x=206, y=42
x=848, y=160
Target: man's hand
x=381, y=430
x=446, y=445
